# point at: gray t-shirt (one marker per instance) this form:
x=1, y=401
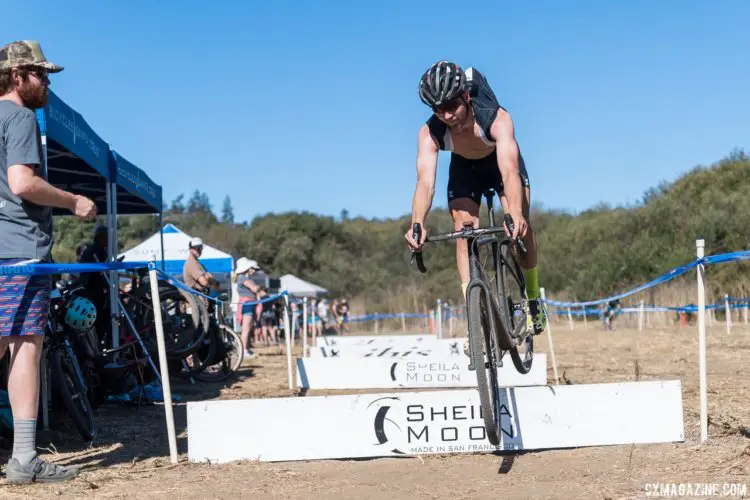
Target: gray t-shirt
x=26, y=227
x=242, y=289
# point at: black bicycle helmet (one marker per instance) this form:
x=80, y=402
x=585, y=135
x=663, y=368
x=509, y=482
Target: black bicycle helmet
x=443, y=82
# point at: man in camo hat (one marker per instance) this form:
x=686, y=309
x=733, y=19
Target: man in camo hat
x=26, y=202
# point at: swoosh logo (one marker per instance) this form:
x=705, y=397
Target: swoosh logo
x=393, y=371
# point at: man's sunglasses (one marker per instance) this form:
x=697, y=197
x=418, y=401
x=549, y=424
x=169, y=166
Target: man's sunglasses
x=449, y=106
x=41, y=74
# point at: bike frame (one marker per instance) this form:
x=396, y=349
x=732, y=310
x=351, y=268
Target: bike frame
x=502, y=340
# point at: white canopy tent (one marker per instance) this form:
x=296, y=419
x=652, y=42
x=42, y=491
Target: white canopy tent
x=218, y=263
x=301, y=288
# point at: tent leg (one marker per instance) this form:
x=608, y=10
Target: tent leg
x=112, y=251
x=161, y=237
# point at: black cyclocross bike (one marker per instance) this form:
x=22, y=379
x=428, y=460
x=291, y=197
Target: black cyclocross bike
x=497, y=308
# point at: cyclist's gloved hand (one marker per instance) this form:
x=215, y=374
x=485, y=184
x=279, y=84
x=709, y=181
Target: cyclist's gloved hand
x=412, y=242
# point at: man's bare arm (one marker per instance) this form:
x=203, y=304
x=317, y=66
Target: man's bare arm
x=427, y=156
x=29, y=186
x=507, y=161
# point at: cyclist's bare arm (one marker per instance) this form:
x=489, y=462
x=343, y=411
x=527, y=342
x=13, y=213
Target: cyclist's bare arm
x=427, y=156
x=507, y=159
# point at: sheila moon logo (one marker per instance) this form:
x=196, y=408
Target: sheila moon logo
x=426, y=372
x=405, y=426
x=385, y=426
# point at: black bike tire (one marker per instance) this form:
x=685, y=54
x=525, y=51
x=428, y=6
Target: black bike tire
x=84, y=423
x=200, y=330
x=211, y=344
x=235, y=338
x=509, y=263
x=478, y=337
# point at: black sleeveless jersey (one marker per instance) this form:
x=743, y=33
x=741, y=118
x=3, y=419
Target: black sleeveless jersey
x=485, y=106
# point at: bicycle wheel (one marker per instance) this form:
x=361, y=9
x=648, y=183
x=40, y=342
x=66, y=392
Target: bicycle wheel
x=67, y=380
x=480, y=341
x=514, y=309
x=197, y=361
x=182, y=335
x=230, y=354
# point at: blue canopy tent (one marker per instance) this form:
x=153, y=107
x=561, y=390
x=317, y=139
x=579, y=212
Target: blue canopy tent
x=78, y=160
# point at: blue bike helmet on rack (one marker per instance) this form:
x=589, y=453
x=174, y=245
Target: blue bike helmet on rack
x=80, y=315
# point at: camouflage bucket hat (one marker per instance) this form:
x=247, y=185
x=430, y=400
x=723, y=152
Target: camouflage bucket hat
x=25, y=54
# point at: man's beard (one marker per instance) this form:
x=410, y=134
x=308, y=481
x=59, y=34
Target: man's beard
x=33, y=96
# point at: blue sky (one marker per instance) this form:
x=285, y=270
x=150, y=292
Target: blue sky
x=313, y=106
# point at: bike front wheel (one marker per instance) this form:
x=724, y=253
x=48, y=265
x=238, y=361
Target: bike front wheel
x=66, y=377
x=481, y=342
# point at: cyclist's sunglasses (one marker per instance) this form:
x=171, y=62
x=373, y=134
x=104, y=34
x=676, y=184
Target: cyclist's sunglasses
x=449, y=106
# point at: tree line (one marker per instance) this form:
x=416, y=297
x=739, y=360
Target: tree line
x=582, y=256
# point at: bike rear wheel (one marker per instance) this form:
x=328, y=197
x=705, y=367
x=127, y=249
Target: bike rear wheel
x=514, y=309
x=230, y=354
x=480, y=335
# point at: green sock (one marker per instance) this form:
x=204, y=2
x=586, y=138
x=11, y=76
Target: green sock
x=532, y=282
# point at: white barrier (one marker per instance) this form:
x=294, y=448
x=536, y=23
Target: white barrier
x=397, y=424
x=437, y=348
x=378, y=373
x=372, y=340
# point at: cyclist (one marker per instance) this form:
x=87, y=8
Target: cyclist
x=469, y=122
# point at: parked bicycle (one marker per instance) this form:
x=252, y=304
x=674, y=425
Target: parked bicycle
x=69, y=325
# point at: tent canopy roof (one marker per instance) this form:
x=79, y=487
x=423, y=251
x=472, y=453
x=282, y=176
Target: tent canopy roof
x=80, y=161
x=298, y=286
x=176, y=252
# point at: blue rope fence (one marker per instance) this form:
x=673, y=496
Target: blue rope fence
x=668, y=276
x=41, y=269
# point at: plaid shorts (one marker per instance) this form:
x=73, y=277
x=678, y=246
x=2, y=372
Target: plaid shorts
x=24, y=302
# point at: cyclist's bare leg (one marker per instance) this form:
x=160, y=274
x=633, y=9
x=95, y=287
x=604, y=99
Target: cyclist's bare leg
x=529, y=260
x=537, y=316
x=463, y=211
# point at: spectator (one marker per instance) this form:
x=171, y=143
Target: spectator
x=340, y=310
x=79, y=251
x=247, y=291
x=193, y=273
x=95, y=284
x=27, y=200
x=323, y=311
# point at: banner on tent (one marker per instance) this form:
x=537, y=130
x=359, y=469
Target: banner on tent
x=411, y=423
x=438, y=348
x=378, y=373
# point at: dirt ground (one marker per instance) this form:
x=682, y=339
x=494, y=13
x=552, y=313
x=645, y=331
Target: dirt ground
x=130, y=458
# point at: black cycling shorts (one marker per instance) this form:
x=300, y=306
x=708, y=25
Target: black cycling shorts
x=472, y=178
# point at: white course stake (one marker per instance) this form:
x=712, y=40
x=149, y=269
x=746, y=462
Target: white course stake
x=570, y=318
x=700, y=244
x=305, y=352
x=163, y=366
x=640, y=317
x=439, y=319
x=549, y=336
x=728, y=313
x=585, y=322
x=289, y=333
